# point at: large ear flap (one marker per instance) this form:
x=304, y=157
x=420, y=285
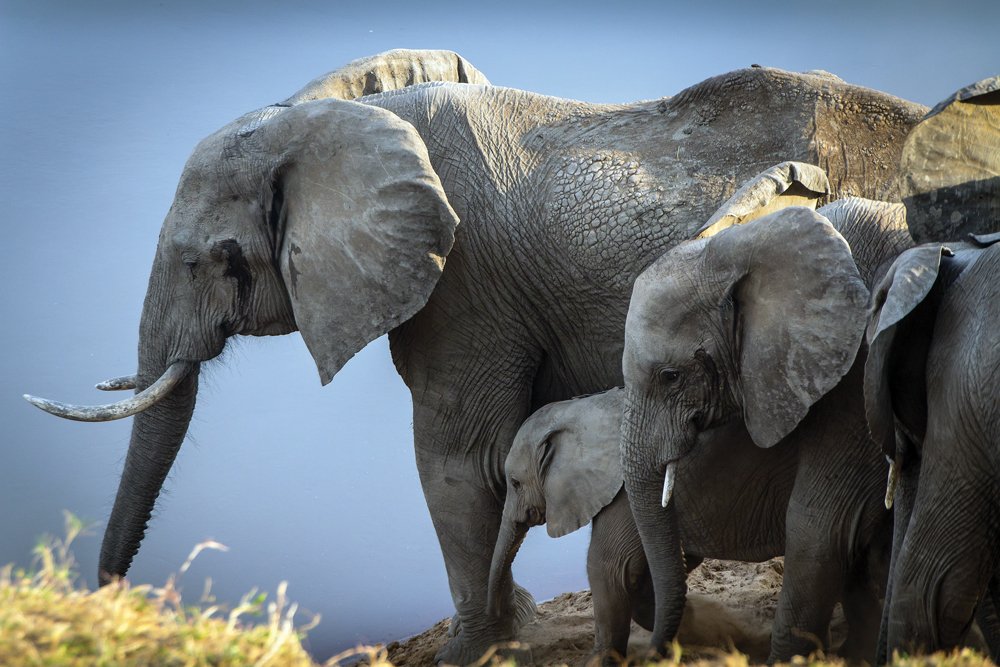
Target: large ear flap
x=799, y=314
x=898, y=340
x=582, y=469
x=390, y=70
x=361, y=224
x=950, y=166
x=783, y=185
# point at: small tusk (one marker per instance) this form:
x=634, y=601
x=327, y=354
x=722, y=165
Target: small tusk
x=891, y=483
x=117, y=384
x=130, y=406
x=668, y=483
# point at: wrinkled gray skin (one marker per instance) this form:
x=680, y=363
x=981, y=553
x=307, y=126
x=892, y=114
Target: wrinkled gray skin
x=563, y=470
x=951, y=166
x=327, y=217
x=931, y=383
x=760, y=325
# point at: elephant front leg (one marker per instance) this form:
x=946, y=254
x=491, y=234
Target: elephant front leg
x=947, y=558
x=463, y=431
x=467, y=520
x=813, y=579
x=619, y=580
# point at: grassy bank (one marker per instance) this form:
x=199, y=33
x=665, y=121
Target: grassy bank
x=48, y=618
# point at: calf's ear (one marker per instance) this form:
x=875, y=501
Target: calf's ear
x=582, y=469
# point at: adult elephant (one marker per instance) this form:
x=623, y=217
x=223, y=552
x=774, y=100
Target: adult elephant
x=928, y=335
x=335, y=218
x=761, y=324
x=930, y=389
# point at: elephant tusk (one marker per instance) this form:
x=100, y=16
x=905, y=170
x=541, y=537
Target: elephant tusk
x=891, y=483
x=668, y=483
x=102, y=413
x=117, y=384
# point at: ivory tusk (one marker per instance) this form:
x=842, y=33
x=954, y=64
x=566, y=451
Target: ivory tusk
x=891, y=483
x=130, y=406
x=117, y=384
x=668, y=483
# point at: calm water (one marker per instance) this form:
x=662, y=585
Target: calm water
x=312, y=485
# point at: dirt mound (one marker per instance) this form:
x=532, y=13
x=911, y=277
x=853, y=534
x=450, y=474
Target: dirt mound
x=729, y=604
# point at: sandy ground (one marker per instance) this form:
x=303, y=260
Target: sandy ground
x=729, y=604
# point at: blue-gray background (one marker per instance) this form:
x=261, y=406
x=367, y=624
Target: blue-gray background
x=101, y=105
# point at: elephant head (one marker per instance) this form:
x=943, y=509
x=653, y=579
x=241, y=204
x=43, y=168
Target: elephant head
x=324, y=217
x=758, y=321
x=562, y=469
x=950, y=166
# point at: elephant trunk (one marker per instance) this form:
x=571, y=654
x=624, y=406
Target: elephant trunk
x=156, y=438
x=657, y=526
x=157, y=434
x=501, y=585
x=905, y=491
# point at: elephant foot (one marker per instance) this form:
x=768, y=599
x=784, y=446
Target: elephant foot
x=496, y=637
x=464, y=650
x=524, y=610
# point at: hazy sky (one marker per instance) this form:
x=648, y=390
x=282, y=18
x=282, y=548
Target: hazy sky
x=102, y=103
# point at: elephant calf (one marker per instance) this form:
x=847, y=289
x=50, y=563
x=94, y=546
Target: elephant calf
x=564, y=470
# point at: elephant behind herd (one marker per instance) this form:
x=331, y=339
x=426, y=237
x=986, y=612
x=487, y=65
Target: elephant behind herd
x=340, y=219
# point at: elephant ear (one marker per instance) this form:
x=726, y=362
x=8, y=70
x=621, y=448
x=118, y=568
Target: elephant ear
x=897, y=347
x=900, y=325
x=950, y=166
x=582, y=469
x=390, y=70
x=360, y=222
x=783, y=185
x=799, y=306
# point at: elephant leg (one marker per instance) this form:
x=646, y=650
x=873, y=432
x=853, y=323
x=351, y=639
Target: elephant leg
x=863, y=612
x=470, y=395
x=813, y=580
x=948, y=557
x=988, y=617
x=869, y=564
x=619, y=578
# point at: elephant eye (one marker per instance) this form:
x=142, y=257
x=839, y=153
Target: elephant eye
x=515, y=483
x=667, y=375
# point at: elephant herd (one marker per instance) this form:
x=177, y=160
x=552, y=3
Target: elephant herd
x=700, y=322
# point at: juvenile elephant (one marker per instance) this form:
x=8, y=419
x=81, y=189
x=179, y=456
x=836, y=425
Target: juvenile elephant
x=760, y=325
x=931, y=384
x=563, y=470
x=336, y=218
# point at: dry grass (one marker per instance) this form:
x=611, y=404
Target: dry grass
x=47, y=618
